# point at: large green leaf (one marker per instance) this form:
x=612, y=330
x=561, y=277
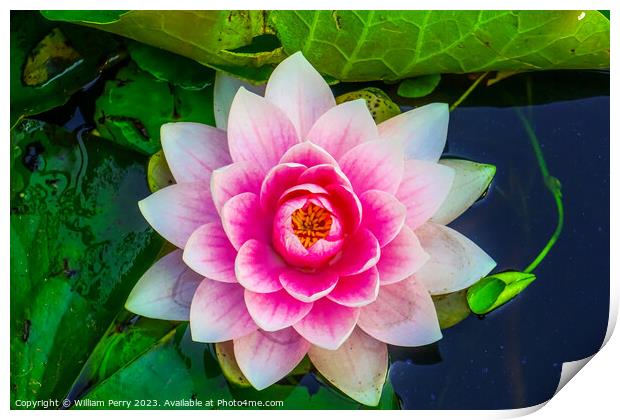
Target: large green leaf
x=391, y=45
x=51, y=60
x=372, y=45
x=135, y=105
x=79, y=244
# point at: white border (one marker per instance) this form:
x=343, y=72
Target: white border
x=594, y=394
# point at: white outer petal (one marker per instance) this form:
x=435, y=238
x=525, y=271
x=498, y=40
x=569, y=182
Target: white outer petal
x=456, y=262
x=224, y=90
x=471, y=179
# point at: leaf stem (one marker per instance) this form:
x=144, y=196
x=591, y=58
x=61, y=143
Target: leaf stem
x=554, y=187
x=468, y=91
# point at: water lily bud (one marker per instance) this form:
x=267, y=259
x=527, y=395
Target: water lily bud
x=493, y=291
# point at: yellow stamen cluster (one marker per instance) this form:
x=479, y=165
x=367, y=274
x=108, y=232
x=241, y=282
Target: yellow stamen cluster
x=311, y=223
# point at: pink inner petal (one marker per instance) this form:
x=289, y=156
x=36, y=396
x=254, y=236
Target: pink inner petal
x=360, y=252
x=243, y=219
x=384, y=215
x=401, y=258
x=258, y=267
x=307, y=154
x=233, y=180
x=356, y=290
x=279, y=179
x=308, y=286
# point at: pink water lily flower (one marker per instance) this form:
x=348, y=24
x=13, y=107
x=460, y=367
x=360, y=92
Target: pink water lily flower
x=305, y=228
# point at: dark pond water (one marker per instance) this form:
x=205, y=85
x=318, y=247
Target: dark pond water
x=513, y=357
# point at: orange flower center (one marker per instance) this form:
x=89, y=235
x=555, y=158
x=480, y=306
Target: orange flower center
x=311, y=223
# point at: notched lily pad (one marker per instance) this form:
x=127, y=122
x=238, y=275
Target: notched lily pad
x=419, y=86
x=135, y=105
x=379, y=104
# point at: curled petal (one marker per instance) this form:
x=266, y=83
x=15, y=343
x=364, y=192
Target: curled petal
x=308, y=286
x=402, y=315
x=243, y=220
x=193, y=150
x=308, y=154
x=424, y=188
x=279, y=179
x=258, y=267
x=401, y=258
x=218, y=313
x=209, y=252
x=266, y=357
x=455, y=261
x=176, y=211
x=343, y=127
x=233, y=180
x=356, y=290
x=165, y=291
x=422, y=131
x=224, y=91
x=374, y=165
x=471, y=180
x=300, y=92
x=277, y=310
x=328, y=324
x=358, y=368
x=383, y=214
x=258, y=131
x=359, y=253
x=346, y=205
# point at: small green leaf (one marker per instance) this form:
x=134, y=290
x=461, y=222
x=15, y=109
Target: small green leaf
x=86, y=16
x=419, y=86
x=497, y=289
x=379, y=104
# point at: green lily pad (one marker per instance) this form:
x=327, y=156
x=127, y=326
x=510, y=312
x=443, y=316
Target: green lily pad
x=79, y=244
x=135, y=105
x=419, y=86
x=495, y=290
x=87, y=16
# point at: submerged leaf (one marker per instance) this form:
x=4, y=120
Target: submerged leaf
x=226, y=358
x=419, y=86
x=497, y=289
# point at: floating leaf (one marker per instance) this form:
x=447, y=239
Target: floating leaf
x=379, y=104
x=497, y=289
x=135, y=105
x=419, y=86
x=169, y=67
x=451, y=308
x=471, y=181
